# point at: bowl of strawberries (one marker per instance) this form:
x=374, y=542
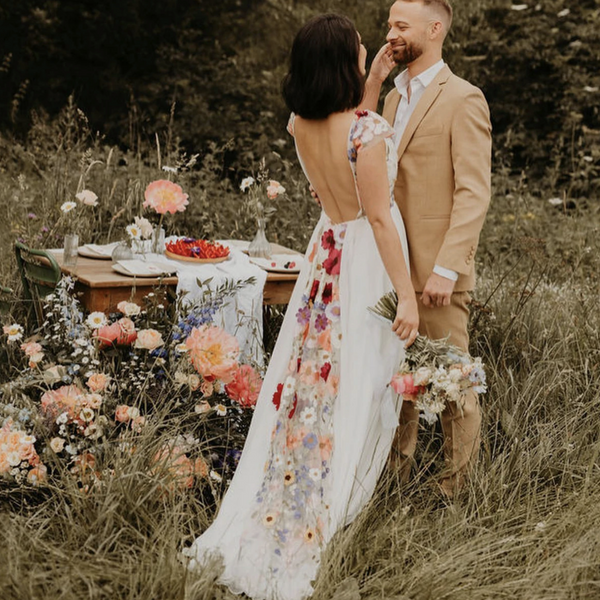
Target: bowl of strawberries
x=199, y=251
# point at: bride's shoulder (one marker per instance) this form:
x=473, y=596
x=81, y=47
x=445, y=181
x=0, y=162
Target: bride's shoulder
x=368, y=127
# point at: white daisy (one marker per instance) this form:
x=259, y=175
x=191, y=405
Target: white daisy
x=221, y=410
x=308, y=416
x=14, y=332
x=246, y=183
x=96, y=320
x=68, y=206
x=135, y=233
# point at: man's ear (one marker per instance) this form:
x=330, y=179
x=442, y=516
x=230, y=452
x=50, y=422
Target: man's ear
x=436, y=29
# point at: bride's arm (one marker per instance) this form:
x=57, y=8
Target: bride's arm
x=372, y=181
x=382, y=65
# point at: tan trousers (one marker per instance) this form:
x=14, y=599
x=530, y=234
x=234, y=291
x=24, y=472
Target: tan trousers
x=462, y=436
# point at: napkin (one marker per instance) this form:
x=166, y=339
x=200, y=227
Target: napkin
x=105, y=250
x=140, y=267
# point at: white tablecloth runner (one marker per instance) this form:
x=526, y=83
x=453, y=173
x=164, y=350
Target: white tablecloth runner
x=241, y=314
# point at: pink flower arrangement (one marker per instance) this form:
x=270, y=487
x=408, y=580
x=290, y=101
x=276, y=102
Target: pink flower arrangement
x=16, y=448
x=244, y=386
x=213, y=352
x=165, y=197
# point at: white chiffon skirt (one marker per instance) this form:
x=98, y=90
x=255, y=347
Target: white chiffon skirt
x=323, y=425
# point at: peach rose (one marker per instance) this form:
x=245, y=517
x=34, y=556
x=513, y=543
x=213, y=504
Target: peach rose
x=129, y=309
x=149, y=339
x=122, y=413
x=97, y=382
x=57, y=444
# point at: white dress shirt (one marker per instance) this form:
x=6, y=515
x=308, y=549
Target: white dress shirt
x=406, y=108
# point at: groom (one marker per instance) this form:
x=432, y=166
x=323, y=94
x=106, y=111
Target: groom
x=443, y=138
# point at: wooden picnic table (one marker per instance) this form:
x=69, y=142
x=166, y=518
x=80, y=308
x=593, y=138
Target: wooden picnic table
x=101, y=289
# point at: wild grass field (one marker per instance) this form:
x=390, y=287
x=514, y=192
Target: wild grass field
x=527, y=524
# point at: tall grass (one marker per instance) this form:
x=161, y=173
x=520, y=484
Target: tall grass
x=526, y=524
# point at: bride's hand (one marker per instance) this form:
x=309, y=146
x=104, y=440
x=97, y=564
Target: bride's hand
x=406, y=323
x=382, y=64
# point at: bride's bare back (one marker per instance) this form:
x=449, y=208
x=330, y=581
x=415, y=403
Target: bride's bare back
x=323, y=147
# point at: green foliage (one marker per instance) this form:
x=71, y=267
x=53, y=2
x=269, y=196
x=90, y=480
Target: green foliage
x=219, y=65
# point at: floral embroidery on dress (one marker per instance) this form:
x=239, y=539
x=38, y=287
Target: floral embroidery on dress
x=367, y=129
x=292, y=502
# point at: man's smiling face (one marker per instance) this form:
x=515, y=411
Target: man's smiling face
x=408, y=31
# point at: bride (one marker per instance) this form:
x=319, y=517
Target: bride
x=325, y=418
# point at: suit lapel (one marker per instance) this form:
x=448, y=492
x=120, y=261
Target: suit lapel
x=427, y=99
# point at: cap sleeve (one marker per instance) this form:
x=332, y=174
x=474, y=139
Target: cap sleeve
x=368, y=129
x=290, y=125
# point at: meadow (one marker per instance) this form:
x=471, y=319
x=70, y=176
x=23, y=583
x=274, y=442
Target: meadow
x=526, y=525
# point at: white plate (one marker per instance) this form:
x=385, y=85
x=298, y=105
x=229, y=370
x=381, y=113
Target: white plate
x=236, y=244
x=140, y=268
x=280, y=263
x=96, y=251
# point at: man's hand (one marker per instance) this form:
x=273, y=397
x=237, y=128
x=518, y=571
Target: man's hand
x=437, y=291
x=382, y=64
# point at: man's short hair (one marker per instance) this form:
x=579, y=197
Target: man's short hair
x=440, y=6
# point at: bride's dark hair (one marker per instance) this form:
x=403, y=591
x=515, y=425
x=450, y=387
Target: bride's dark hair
x=324, y=75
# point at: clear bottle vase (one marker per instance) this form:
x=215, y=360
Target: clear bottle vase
x=70, y=249
x=122, y=251
x=158, y=241
x=260, y=247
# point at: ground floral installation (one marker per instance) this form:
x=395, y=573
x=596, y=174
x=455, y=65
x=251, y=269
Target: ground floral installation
x=87, y=387
x=433, y=372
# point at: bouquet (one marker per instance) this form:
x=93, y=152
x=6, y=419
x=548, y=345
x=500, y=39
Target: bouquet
x=433, y=372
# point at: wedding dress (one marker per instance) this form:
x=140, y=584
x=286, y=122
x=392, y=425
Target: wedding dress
x=325, y=418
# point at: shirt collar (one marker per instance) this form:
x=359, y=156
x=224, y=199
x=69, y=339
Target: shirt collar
x=425, y=78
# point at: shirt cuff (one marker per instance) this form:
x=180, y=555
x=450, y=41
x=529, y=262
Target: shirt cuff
x=447, y=273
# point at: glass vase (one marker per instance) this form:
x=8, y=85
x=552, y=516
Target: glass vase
x=70, y=249
x=260, y=247
x=158, y=241
x=122, y=251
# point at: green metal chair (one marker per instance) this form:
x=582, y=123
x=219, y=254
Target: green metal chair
x=39, y=274
x=6, y=294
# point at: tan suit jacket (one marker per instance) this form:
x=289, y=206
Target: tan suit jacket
x=444, y=177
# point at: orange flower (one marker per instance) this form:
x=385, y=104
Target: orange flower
x=245, y=386
x=213, y=352
x=289, y=478
x=97, y=382
x=165, y=197
x=122, y=413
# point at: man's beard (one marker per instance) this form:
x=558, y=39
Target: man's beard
x=407, y=54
